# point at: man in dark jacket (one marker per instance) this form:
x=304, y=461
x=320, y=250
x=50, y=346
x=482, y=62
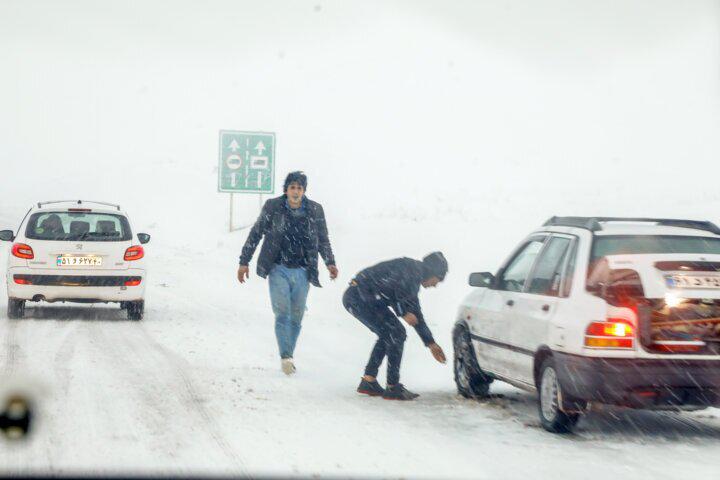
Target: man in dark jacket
x=372, y=294
x=295, y=233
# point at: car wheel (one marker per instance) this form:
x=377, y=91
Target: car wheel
x=135, y=310
x=471, y=381
x=16, y=308
x=550, y=395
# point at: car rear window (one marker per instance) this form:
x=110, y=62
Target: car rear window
x=78, y=226
x=629, y=244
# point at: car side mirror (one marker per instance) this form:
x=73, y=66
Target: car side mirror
x=481, y=279
x=7, y=235
x=143, y=238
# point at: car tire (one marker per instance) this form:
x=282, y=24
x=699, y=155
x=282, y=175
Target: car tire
x=135, y=310
x=15, y=308
x=550, y=394
x=470, y=379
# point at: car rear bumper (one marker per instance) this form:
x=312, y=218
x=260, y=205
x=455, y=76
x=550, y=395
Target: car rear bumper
x=640, y=383
x=108, y=286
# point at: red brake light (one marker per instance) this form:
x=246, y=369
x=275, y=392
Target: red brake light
x=611, y=328
x=20, y=250
x=136, y=252
x=133, y=282
x=612, y=333
x=22, y=280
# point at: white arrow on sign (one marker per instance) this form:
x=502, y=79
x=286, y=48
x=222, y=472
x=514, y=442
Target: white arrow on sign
x=234, y=145
x=260, y=147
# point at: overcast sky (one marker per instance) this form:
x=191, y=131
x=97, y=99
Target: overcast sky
x=399, y=108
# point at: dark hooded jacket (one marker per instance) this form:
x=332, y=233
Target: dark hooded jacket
x=272, y=224
x=396, y=283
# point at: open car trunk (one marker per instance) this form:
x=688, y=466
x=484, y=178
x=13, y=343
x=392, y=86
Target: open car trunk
x=676, y=298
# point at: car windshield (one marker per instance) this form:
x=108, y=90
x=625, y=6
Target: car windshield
x=638, y=244
x=78, y=226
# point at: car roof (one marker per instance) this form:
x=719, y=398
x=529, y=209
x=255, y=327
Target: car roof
x=633, y=228
x=65, y=205
x=595, y=224
x=630, y=228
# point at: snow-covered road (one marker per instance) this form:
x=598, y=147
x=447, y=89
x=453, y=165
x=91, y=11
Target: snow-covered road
x=196, y=388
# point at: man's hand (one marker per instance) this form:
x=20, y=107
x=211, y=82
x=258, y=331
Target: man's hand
x=243, y=273
x=411, y=319
x=437, y=352
x=333, y=271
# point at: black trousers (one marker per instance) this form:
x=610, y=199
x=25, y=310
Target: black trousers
x=382, y=322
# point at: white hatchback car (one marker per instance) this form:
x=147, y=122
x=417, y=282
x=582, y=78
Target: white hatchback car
x=621, y=311
x=76, y=251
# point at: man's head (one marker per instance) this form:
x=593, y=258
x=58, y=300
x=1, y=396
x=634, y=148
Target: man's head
x=294, y=186
x=435, y=267
x=52, y=224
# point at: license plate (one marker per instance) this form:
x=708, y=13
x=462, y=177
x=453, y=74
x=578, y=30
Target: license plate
x=79, y=261
x=693, y=281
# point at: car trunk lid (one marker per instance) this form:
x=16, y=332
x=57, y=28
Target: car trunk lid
x=676, y=298
x=72, y=256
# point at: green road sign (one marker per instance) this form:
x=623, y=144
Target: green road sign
x=247, y=162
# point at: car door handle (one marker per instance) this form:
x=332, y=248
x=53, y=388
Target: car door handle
x=510, y=303
x=546, y=308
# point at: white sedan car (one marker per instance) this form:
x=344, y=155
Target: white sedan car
x=76, y=251
x=621, y=311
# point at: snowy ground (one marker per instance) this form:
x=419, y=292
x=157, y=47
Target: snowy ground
x=196, y=388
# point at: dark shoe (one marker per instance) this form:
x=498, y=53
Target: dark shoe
x=370, y=388
x=399, y=392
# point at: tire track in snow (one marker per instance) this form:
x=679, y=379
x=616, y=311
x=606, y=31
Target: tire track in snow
x=11, y=347
x=180, y=365
x=136, y=357
x=63, y=355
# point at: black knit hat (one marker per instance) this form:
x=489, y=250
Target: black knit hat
x=298, y=177
x=435, y=265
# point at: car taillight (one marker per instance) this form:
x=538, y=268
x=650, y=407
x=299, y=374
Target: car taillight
x=133, y=282
x=20, y=250
x=135, y=252
x=22, y=280
x=612, y=333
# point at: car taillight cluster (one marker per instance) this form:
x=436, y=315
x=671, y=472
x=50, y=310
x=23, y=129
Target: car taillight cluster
x=612, y=333
x=133, y=282
x=21, y=250
x=136, y=252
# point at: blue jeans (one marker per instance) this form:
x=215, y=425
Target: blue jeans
x=288, y=294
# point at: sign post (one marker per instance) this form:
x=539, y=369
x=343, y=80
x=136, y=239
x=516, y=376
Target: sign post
x=246, y=164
